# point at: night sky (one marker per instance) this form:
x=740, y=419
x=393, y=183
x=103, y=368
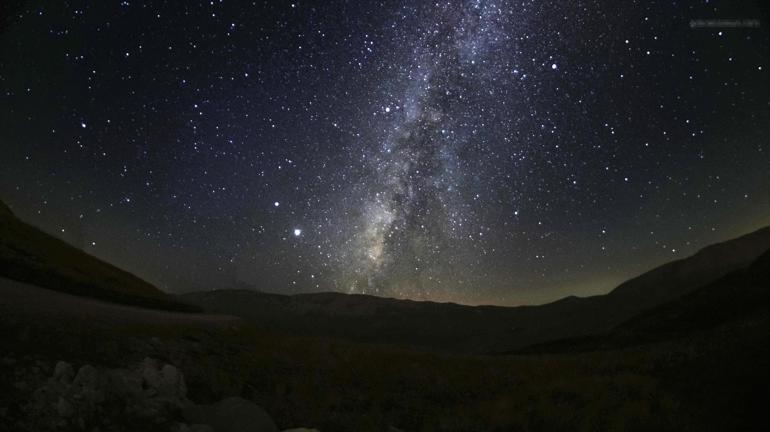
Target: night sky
x=503, y=152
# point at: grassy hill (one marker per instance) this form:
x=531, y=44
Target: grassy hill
x=29, y=255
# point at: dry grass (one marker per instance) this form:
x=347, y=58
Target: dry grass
x=345, y=386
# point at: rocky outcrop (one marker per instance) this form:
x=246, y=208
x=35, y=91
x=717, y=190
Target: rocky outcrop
x=149, y=395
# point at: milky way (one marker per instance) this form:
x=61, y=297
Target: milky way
x=413, y=215
x=475, y=151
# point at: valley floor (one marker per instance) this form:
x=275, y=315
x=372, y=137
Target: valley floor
x=716, y=380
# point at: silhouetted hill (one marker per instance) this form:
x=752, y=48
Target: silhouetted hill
x=29, y=255
x=670, y=281
x=360, y=317
x=741, y=294
x=676, y=278
x=455, y=327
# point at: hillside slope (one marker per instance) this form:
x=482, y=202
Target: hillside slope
x=29, y=255
x=738, y=298
x=742, y=294
x=674, y=279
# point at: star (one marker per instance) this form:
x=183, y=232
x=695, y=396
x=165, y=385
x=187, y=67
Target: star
x=437, y=141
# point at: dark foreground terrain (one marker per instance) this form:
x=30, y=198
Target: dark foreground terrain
x=715, y=379
x=696, y=358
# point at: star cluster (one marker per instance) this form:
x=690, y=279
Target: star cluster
x=474, y=151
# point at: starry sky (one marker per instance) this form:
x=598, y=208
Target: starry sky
x=497, y=152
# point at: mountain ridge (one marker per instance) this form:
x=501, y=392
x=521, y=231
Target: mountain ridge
x=484, y=328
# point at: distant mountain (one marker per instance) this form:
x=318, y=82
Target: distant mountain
x=29, y=255
x=453, y=327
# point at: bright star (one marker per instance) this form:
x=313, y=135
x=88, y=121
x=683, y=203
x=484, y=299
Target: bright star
x=297, y=232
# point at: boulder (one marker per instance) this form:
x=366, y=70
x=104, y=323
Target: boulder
x=124, y=383
x=87, y=386
x=171, y=383
x=63, y=372
x=143, y=392
x=194, y=428
x=150, y=376
x=233, y=414
x=87, y=377
x=64, y=408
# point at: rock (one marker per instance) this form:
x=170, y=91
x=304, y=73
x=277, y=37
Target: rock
x=171, y=383
x=87, y=377
x=166, y=383
x=150, y=376
x=83, y=400
x=124, y=384
x=194, y=428
x=86, y=386
x=64, y=408
x=63, y=372
x=233, y=414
